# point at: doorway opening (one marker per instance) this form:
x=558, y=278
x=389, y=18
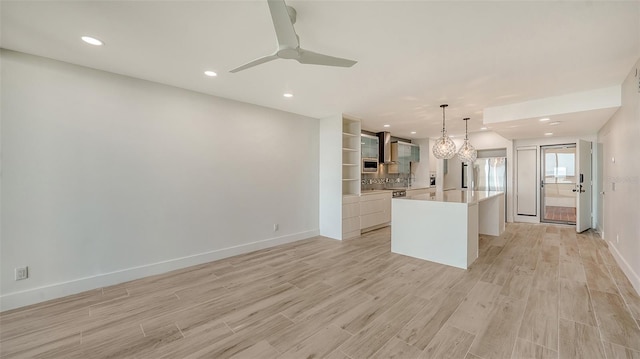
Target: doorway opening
x=559, y=180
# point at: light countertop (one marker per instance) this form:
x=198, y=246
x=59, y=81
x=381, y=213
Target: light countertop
x=374, y=191
x=456, y=196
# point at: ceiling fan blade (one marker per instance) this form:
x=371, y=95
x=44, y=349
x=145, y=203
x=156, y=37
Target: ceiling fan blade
x=282, y=23
x=310, y=57
x=255, y=62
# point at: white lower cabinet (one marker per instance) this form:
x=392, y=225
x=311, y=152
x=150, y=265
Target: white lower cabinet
x=350, y=216
x=375, y=210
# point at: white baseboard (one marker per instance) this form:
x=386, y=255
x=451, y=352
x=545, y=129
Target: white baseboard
x=526, y=219
x=634, y=278
x=57, y=290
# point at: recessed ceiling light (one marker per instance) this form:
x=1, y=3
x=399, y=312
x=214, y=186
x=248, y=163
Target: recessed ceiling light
x=92, y=41
x=548, y=134
x=386, y=126
x=413, y=132
x=554, y=123
x=544, y=119
x=210, y=73
x=483, y=128
x=287, y=95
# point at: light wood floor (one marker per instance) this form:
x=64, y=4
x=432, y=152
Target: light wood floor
x=538, y=291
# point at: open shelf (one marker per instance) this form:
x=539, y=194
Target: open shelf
x=351, y=145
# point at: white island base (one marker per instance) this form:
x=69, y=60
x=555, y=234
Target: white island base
x=444, y=227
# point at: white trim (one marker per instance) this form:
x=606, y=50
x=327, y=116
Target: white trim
x=57, y=290
x=634, y=278
x=519, y=218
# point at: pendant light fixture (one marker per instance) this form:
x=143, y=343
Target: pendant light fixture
x=467, y=152
x=444, y=148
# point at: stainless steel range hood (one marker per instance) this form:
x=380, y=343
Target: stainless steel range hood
x=384, y=143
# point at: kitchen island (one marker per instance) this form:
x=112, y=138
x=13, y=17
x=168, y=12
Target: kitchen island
x=443, y=227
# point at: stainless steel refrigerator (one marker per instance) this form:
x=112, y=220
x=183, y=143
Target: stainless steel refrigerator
x=489, y=174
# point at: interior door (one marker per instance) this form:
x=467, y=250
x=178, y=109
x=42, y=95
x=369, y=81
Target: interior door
x=526, y=181
x=583, y=186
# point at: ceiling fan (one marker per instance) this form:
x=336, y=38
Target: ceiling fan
x=283, y=18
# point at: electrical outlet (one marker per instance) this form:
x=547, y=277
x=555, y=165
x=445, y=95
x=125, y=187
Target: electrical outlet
x=22, y=273
x=617, y=238
x=275, y=227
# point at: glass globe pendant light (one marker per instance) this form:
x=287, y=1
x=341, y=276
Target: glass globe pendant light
x=444, y=148
x=467, y=152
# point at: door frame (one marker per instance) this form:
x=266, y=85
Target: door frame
x=542, y=180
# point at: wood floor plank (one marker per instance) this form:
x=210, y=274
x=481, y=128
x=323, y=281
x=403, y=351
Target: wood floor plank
x=473, y=312
x=370, y=339
x=449, y=343
x=48, y=340
x=53, y=313
x=569, y=250
x=396, y=349
x=427, y=323
x=540, y=320
x=549, y=253
x=213, y=333
x=579, y=341
x=359, y=317
x=572, y=270
x=527, y=350
x=243, y=340
x=261, y=349
x=598, y=278
x=632, y=299
x=500, y=271
x=575, y=302
x=498, y=337
x=315, y=320
x=337, y=354
x=615, y=351
x=517, y=284
x=319, y=345
x=262, y=309
x=545, y=276
x=618, y=276
x=199, y=317
x=616, y=323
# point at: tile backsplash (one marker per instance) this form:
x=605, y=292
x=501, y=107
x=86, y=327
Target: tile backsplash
x=382, y=180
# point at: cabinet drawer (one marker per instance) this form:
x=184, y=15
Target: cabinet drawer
x=374, y=219
x=350, y=199
x=381, y=205
x=350, y=210
x=375, y=197
x=350, y=224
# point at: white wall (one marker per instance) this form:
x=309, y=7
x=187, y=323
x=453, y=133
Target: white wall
x=108, y=178
x=330, y=186
x=619, y=139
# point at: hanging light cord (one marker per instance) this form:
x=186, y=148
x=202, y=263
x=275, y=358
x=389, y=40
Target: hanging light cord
x=443, y=130
x=466, y=128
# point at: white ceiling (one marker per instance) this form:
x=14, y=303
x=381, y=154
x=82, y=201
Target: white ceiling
x=412, y=56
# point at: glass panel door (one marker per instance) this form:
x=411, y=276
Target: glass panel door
x=558, y=196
